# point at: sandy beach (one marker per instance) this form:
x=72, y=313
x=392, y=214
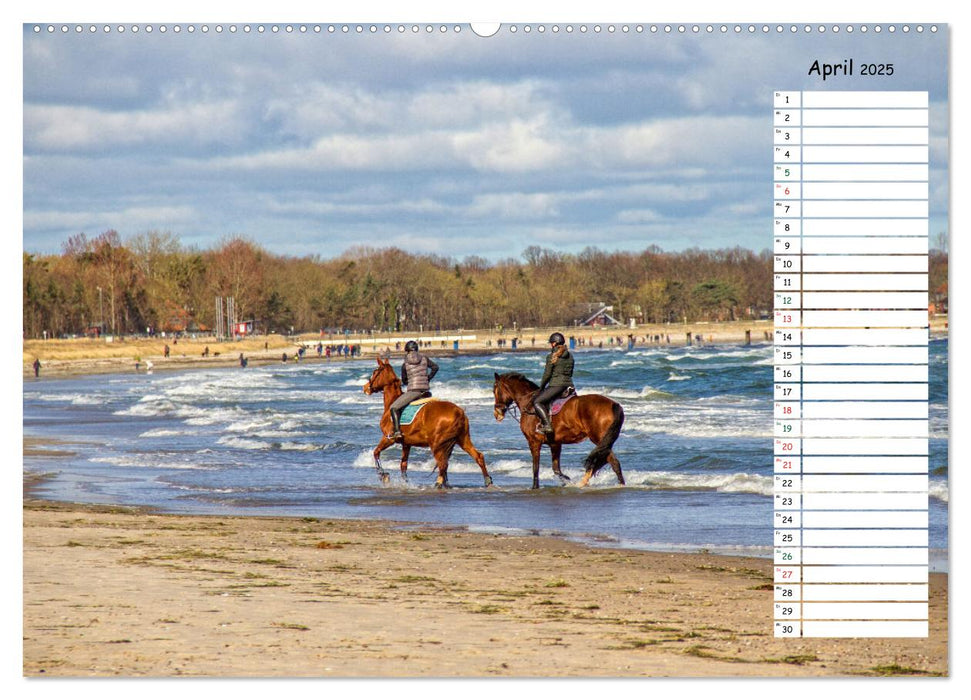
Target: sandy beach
x=112, y=591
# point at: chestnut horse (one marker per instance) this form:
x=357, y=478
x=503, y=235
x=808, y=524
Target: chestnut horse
x=589, y=416
x=440, y=425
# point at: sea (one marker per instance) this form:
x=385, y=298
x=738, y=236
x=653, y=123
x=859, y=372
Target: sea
x=296, y=439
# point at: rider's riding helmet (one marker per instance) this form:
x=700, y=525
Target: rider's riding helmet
x=411, y=346
x=557, y=339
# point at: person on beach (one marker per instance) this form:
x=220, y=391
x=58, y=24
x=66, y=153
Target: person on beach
x=36, y=367
x=416, y=373
x=557, y=381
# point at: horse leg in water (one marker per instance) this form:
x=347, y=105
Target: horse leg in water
x=601, y=453
x=405, y=451
x=382, y=446
x=535, y=448
x=615, y=465
x=593, y=464
x=442, y=454
x=555, y=449
x=465, y=442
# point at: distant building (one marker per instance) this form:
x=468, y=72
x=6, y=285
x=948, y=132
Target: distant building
x=597, y=314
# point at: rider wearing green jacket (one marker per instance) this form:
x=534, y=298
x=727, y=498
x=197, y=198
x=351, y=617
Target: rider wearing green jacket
x=557, y=380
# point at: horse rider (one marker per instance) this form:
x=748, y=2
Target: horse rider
x=557, y=380
x=416, y=372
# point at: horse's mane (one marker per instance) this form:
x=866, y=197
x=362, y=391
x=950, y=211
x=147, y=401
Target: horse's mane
x=519, y=376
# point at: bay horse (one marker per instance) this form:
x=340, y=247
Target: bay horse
x=440, y=425
x=590, y=416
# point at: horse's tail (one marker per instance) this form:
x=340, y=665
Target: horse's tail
x=598, y=456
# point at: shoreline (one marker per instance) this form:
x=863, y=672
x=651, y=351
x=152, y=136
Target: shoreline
x=62, y=358
x=939, y=561
x=159, y=595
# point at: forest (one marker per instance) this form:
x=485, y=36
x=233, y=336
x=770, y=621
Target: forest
x=151, y=283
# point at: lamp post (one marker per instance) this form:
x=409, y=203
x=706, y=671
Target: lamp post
x=101, y=314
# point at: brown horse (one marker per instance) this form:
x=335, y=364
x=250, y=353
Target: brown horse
x=589, y=416
x=440, y=425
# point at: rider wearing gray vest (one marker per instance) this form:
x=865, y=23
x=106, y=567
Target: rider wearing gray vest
x=557, y=380
x=416, y=373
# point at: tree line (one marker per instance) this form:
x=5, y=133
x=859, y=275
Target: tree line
x=153, y=282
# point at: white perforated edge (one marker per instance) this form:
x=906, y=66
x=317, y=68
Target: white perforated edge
x=484, y=30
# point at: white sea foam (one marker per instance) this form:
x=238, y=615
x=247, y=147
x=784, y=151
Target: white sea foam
x=148, y=460
x=702, y=421
x=495, y=365
x=512, y=467
x=366, y=459
x=462, y=391
x=700, y=354
x=243, y=443
x=167, y=432
x=739, y=482
x=210, y=416
x=151, y=405
x=75, y=399
x=678, y=377
x=646, y=392
x=300, y=446
x=938, y=488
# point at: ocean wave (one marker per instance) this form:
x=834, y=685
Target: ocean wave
x=291, y=446
x=678, y=377
x=738, y=482
x=249, y=443
x=704, y=422
x=152, y=460
x=703, y=355
x=462, y=391
x=938, y=488
x=494, y=365
x=150, y=405
x=337, y=369
x=364, y=458
x=242, y=443
x=195, y=415
x=167, y=432
x=646, y=392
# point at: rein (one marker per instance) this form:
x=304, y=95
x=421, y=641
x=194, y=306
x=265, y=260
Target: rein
x=513, y=408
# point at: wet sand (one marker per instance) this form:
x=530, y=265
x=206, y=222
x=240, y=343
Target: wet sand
x=111, y=591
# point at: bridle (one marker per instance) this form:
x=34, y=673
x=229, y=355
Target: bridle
x=369, y=388
x=500, y=409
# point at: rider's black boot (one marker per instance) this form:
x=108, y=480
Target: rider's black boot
x=545, y=426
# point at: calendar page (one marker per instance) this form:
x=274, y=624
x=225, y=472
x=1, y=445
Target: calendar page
x=514, y=349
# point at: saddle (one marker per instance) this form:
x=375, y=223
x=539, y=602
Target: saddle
x=409, y=412
x=558, y=404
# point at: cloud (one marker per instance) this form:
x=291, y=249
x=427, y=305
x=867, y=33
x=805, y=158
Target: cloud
x=471, y=146
x=516, y=206
x=638, y=216
x=58, y=128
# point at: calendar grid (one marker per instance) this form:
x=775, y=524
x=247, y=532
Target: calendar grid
x=851, y=364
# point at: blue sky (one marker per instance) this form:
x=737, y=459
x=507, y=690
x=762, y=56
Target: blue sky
x=310, y=143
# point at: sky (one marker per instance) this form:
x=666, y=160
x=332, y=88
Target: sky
x=311, y=142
